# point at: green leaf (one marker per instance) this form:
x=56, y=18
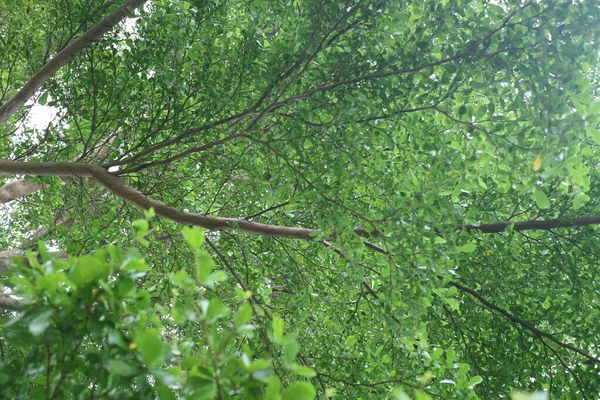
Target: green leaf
x=350, y=341
x=299, y=391
x=290, y=347
x=204, y=266
x=273, y=389
x=164, y=377
x=467, y=248
x=420, y=395
x=43, y=98
x=165, y=393
x=304, y=371
x=277, y=324
x=541, y=199
x=121, y=368
x=89, y=270
x=138, y=265
x=450, y=356
x=115, y=338
x=242, y=315
x=455, y=193
x=399, y=394
x=149, y=345
x=474, y=381
x=481, y=112
x=579, y=200
x=193, y=236
x=583, y=97
x=215, y=277
x=594, y=133
x=142, y=225
x=529, y=396
x=149, y=213
x=182, y=279
x=43, y=251
x=40, y=322
x=216, y=310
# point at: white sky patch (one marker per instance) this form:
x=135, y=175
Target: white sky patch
x=40, y=116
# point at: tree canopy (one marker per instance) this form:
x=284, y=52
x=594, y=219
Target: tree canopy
x=298, y=199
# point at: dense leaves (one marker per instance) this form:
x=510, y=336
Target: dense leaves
x=86, y=330
x=391, y=132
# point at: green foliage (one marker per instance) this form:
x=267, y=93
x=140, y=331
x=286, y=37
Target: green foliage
x=392, y=129
x=88, y=328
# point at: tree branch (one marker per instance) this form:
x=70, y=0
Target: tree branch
x=64, y=56
x=18, y=188
x=7, y=255
x=522, y=322
x=8, y=303
x=498, y=227
x=131, y=195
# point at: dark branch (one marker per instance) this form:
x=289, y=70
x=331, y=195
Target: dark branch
x=534, y=225
x=522, y=322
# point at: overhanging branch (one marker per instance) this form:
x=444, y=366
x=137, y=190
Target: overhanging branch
x=64, y=56
x=132, y=196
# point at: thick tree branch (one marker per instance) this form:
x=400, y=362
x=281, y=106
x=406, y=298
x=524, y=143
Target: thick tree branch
x=64, y=56
x=18, y=188
x=6, y=256
x=21, y=187
x=130, y=195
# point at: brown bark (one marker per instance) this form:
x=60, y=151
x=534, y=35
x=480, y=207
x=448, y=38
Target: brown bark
x=21, y=187
x=131, y=195
x=18, y=188
x=6, y=256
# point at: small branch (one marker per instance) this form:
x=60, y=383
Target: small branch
x=566, y=367
x=232, y=270
x=378, y=75
x=352, y=382
x=522, y=322
x=266, y=210
x=176, y=157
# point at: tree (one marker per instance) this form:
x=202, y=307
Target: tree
x=396, y=199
